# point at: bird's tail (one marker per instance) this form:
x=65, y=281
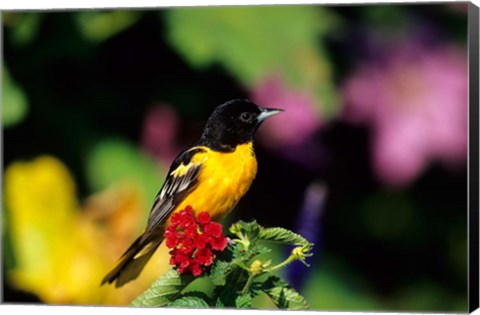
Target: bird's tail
x=132, y=261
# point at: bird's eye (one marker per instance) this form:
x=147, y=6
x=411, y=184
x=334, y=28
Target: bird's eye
x=245, y=117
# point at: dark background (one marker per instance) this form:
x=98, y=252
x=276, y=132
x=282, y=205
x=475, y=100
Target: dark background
x=80, y=91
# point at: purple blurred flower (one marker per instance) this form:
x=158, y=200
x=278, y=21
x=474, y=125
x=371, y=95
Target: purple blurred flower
x=289, y=134
x=159, y=132
x=416, y=102
x=309, y=226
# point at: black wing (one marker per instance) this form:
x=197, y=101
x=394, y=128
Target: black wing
x=181, y=180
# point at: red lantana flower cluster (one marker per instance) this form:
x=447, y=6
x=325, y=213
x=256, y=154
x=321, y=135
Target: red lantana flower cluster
x=193, y=240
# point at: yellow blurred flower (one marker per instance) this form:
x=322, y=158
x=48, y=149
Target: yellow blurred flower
x=63, y=251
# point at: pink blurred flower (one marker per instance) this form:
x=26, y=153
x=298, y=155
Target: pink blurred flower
x=300, y=121
x=160, y=129
x=416, y=102
x=289, y=134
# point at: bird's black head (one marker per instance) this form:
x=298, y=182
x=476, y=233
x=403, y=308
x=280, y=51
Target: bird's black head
x=233, y=123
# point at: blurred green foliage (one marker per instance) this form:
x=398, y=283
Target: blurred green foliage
x=26, y=27
x=284, y=40
x=15, y=105
x=114, y=161
x=341, y=287
x=392, y=20
x=99, y=26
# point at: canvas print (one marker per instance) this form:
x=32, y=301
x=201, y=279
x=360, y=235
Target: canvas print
x=260, y=157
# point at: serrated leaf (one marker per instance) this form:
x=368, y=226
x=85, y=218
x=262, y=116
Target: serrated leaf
x=241, y=255
x=284, y=296
x=249, y=230
x=164, y=290
x=261, y=250
x=238, y=251
x=256, y=288
x=189, y=301
x=283, y=236
x=287, y=298
x=196, y=294
x=243, y=301
x=220, y=270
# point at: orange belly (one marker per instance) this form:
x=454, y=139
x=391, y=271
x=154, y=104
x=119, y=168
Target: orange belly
x=223, y=180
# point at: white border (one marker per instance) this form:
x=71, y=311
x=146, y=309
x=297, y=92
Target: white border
x=89, y=4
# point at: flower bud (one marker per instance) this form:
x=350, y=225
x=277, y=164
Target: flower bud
x=256, y=267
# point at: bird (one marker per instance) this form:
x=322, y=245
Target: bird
x=210, y=175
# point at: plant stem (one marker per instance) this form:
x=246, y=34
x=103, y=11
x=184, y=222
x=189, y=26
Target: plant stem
x=247, y=285
x=236, y=277
x=282, y=264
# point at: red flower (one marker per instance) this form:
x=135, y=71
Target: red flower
x=214, y=229
x=203, y=218
x=193, y=240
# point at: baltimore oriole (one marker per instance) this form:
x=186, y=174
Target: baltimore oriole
x=212, y=175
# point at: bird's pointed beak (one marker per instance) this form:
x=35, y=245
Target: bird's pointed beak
x=267, y=112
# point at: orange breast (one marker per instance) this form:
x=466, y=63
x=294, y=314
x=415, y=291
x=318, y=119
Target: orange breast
x=223, y=180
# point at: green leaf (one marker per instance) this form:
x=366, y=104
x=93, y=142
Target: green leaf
x=15, y=105
x=243, y=301
x=196, y=294
x=256, y=287
x=164, y=290
x=260, y=250
x=242, y=257
x=220, y=270
x=223, y=268
x=249, y=230
x=273, y=281
x=283, y=236
x=238, y=251
x=254, y=42
x=287, y=298
x=284, y=296
x=190, y=301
